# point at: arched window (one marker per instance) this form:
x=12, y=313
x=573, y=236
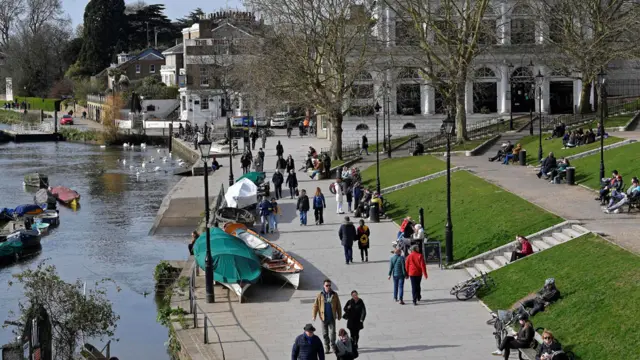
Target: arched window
x=484, y=73
x=523, y=26
x=364, y=76
x=408, y=126
x=522, y=74
x=362, y=127
x=408, y=74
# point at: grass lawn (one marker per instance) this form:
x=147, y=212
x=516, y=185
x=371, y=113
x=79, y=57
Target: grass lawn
x=335, y=163
x=466, y=146
x=398, y=170
x=478, y=211
x=612, y=121
x=394, y=142
x=625, y=159
x=531, y=144
x=596, y=317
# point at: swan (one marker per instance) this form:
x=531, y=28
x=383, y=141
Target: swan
x=124, y=161
x=130, y=167
x=125, y=145
x=164, y=159
x=158, y=151
x=157, y=168
x=143, y=145
x=144, y=164
x=103, y=146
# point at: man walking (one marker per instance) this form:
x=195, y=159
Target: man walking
x=327, y=304
x=254, y=137
x=347, y=234
x=277, y=180
x=265, y=213
x=365, y=145
x=303, y=207
x=264, y=138
x=307, y=346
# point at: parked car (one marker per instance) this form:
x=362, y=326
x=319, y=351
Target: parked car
x=279, y=120
x=262, y=122
x=66, y=120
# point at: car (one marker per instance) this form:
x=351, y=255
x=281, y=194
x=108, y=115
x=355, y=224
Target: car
x=262, y=122
x=66, y=120
x=279, y=120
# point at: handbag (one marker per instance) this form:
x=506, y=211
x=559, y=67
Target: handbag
x=297, y=192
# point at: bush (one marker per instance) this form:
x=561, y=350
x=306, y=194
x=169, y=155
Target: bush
x=71, y=134
x=15, y=117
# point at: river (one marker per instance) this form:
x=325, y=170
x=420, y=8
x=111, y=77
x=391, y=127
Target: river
x=107, y=237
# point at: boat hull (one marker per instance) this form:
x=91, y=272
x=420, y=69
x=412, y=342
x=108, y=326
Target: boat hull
x=235, y=215
x=36, y=180
x=66, y=196
x=50, y=217
x=238, y=289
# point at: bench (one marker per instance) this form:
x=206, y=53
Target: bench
x=530, y=353
x=634, y=202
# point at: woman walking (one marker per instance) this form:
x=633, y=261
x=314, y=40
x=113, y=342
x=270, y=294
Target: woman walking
x=396, y=269
x=273, y=217
x=416, y=268
x=319, y=205
x=291, y=165
x=355, y=312
x=292, y=183
x=339, y=195
x=349, y=194
x=363, y=241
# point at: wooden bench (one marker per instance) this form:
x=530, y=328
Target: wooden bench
x=634, y=202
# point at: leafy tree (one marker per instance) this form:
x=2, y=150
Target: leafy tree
x=73, y=313
x=104, y=25
x=72, y=50
x=190, y=19
x=144, y=21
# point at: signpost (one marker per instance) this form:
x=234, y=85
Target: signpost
x=432, y=251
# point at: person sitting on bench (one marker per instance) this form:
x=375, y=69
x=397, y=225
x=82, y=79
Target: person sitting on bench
x=609, y=184
x=550, y=349
x=524, y=248
x=513, y=155
x=549, y=163
x=558, y=132
x=543, y=298
x=560, y=171
x=619, y=199
x=521, y=341
x=507, y=148
x=419, y=150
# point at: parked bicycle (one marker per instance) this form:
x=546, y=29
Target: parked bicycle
x=468, y=289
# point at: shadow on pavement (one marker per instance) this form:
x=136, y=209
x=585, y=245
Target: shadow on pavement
x=405, y=348
x=311, y=277
x=269, y=289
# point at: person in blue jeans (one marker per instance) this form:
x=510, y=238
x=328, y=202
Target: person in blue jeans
x=265, y=210
x=303, y=207
x=398, y=272
x=347, y=234
x=273, y=217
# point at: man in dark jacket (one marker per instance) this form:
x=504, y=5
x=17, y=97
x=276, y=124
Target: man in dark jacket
x=307, y=346
x=547, y=295
x=277, y=180
x=365, y=145
x=549, y=163
x=279, y=149
x=326, y=162
x=303, y=207
x=265, y=209
x=254, y=137
x=348, y=235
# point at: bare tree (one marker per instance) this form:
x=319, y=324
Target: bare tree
x=313, y=53
x=584, y=36
x=10, y=11
x=40, y=12
x=449, y=34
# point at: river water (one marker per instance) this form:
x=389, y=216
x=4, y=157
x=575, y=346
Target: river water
x=107, y=237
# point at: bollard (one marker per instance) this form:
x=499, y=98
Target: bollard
x=374, y=214
x=421, y=216
x=571, y=176
x=523, y=157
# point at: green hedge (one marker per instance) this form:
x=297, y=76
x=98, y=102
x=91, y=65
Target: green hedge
x=37, y=103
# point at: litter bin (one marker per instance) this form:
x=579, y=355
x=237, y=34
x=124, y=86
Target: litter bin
x=374, y=214
x=571, y=176
x=523, y=157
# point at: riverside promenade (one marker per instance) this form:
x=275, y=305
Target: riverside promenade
x=273, y=313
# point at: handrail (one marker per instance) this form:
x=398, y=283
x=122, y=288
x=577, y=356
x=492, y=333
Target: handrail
x=194, y=307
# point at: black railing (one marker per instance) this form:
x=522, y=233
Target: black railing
x=194, y=308
x=350, y=150
x=437, y=139
x=614, y=107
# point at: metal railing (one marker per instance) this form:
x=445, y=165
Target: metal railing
x=614, y=107
x=349, y=149
x=44, y=127
x=437, y=139
x=194, y=308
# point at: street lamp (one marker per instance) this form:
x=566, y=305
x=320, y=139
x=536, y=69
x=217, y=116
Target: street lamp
x=228, y=109
x=510, y=69
x=603, y=98
x=388, y=111
x=377, y=109
x=205, y=148
x=449, y=126
x=539, y=80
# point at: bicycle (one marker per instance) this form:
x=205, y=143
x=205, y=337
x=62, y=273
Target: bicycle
x=468, y=289
x=502, y=319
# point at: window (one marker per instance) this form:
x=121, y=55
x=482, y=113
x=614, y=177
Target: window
x=523, y=32
x=205, y=104
x=152, y=68
x=204, y=76
x=221, y=47
x=487, y=35
x=362, y=91
x=137, y=68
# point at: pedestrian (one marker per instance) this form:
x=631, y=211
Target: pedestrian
x=265, y=210
x=345, y=347
x=327, y=305
x=365, y=145
x=319, y=204
x=277, y=179
x=279, y=150
x=291, y=165
x=416, y=269
x=326, y=162
x=357, y=195
x=307, y=345
x=355, y=312
x=194, y=237
x=264, y=138
x=349, y=194
x=398, y=272
x=292, y=183
x=246, y=142
x=273, y=217
x=363, y=241
x=281, y=164
x=339, y=195
x=347, y=234
x=245, y=161
x=303, y=207
x=301, y=128
x=258, y=164
x=254, y=137
x=261, y=154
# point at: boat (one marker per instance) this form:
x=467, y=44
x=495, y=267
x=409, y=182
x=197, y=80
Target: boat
x=243, y=193
x=235, y=215
x=44, y=196
x=28, y=209
x=236, y=265
x=256, y=177
x=66, y=195
x=51, y=217
x=36, y=180
x=18, y=245
x=273, y=257
x=10, y=228
x=41, y=227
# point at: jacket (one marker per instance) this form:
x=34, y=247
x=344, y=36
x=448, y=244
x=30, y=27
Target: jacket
x=347, y=234
x=526, y=334
x=396, y=266
x=279, y=149
x=516, y=150
x=363, y=237
x=415, y=265
x=365, y=142
x=292, y=181
x=303, y=203
x=356, y=313
x=318, y=202
x=549, y=163
x=548, y=349
x=318, y=306
x=281, y=163
x=290, y=165
x=305, y=348
x=527, y=249
x=549, y=295
x=277, y=179
x=345, y=350
x=265, y=208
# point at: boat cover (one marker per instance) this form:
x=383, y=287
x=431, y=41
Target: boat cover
x=257, y=177
x=233, y=260
x=43, y=196
x=242, y=194
x=31, y=209
x=64, y=194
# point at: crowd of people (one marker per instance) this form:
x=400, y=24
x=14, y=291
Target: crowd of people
x=612, y=195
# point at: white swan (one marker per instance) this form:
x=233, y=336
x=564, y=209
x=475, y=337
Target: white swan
x=157, y=168
x=103, y=146
x=125, y=145
x=143, y=145
x=124, y=161
x=144, y=164
x=164, y=159
x=158, y=151
x=130, y=167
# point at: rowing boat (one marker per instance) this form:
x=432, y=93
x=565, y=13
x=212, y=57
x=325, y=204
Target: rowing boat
x=235, y=215
x=66, y=195
x=36, y=180
x=273, y=258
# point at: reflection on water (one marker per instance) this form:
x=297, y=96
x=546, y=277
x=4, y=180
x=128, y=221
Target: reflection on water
x=106, y=237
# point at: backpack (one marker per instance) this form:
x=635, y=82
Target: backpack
x=317, y=202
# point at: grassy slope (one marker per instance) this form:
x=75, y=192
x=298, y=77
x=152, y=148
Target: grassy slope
x=531, y=144
x=466, y=146
x=625, y=159
x=478, y=212
x=394, y=142
x=600, y=286
x=394, y=171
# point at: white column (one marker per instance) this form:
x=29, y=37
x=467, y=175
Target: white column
x=504, y=26
x=468, y=96
x=503, y=88
x=577, y=93
x=592, y=96
x=545, y=96
x=430, y=100
x=424, y=98
x=392, y=99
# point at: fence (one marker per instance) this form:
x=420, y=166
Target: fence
x=481, y=129
x=349, y=150
x=44, y=127
x=614, y=107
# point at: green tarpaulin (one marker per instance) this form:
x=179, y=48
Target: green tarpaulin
x=255, y=177
x=233, y=260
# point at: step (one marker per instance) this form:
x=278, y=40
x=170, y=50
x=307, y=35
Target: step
x=560, y=236
x=579, y=229
x=551, y=240
x=571, y=233
x=507, y=255
x=482, y=268
x=501, y=260
x=472, y=271
x=541, y=244
x=535, y=247
x=492, y=264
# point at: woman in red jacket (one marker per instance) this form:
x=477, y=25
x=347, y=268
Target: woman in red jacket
x=525, y=248
x=416, y=268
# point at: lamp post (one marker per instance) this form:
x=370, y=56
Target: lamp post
x=230, y=146
x=510, y=69
x=377, y=109
x=532, y=94
x=449, y=126
x=388, y=110
x=539, y=80
x=384, y=130
x=205, y=148
x=603, y=98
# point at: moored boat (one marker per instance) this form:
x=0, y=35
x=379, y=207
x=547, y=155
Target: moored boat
x=36, y=180
x=19, y=244
x=51, y=217
x=273, y=258
x=66, y=195
x=41, y=227
x=235, y=215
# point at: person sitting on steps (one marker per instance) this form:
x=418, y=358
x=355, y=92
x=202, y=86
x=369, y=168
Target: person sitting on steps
x=524, y=248
x=550, y=349
x=610, y=184
x=522, y=340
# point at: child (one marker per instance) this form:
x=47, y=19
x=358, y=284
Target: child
x=363, y=241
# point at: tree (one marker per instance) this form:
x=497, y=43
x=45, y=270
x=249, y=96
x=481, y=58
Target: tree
x=104, y=25
x=449, y=38
x=41, y=12
x=73, y=314
x=584, y=36
x=144, y=21
x=10, y=11
x=313, y=54
x=190, y=19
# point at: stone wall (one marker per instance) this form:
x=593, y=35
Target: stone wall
x=184, y=151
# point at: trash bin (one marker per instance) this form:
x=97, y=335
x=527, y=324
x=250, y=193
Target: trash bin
x=523, y=157
x=374, y=214
x=571, y=176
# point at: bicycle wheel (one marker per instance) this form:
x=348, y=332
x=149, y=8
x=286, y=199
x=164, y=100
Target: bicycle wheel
x=466, y=292
x=454, y=289
x=499, y=333
x=332, y=189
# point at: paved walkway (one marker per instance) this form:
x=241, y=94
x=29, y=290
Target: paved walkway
x=274, y=313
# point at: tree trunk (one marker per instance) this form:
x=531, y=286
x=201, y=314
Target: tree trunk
x=461, y=113
x=585, y=98
x=336, y=138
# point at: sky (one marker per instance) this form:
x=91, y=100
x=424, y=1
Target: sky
x=173, y=8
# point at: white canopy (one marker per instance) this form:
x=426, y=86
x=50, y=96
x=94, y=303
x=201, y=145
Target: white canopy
x=242, y=194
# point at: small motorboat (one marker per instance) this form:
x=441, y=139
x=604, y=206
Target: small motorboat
x=41, y=227
x=44, y=196
x=36, y=180
x=273, y=257
x=51, y=217
x=66, y=195
x=19, y=244
x=235, y=215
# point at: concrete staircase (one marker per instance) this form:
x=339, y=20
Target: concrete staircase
x=542, y=240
